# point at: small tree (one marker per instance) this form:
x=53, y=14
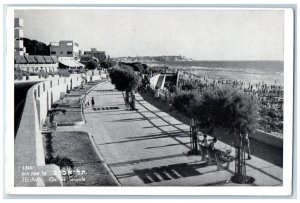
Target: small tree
x=91, y=65
x=123, y=80
x=234, y=111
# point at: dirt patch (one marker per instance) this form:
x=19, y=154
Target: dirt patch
x=74, y=154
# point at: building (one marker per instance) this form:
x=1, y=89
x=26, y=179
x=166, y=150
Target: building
x=85, y=58
x=66, y=48
x=19, y=49
x=36, y=63
x=100, y=55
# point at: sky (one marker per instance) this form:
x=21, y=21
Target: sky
x=194, y=33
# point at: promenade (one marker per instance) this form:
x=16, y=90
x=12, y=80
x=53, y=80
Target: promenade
x=148, y=147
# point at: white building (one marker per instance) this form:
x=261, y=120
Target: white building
x=66, y=48
x=19, y=48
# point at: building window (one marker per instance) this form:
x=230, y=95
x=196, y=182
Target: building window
x=69, y=52
x=69, y=44
x=53, y=52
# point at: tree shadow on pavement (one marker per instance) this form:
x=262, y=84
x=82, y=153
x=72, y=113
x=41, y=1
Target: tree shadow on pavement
x=169, y=172
x=261, y=150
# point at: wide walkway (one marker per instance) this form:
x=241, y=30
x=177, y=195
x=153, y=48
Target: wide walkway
x=149, y=147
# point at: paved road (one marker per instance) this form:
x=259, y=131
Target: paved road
x=149, y=147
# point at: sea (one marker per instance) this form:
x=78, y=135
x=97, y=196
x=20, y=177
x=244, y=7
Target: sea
x=254, y=72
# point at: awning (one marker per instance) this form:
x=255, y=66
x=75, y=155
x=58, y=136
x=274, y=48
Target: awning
x=31, y=59
x=79, y=64
x=69, y=62
x=20, y=60
x=54, y=59
x=40, y=59
x=48, y=59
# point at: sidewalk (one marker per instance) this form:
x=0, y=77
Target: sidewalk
x=148, y=147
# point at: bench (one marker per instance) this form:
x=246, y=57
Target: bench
x=219, y=157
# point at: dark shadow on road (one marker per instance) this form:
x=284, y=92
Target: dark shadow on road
x=107, y=111
x=143, y=138
x=175, y=133
x=118, y=164
x=165, y=173
x=168, y=145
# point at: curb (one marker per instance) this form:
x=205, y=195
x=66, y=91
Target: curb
x=72, y=124
x=81, y=105
x=111, y=174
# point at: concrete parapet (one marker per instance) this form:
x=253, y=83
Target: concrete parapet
x=29, y=151
x=268, y=138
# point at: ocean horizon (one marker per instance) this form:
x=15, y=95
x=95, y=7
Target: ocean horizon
x=269, y=72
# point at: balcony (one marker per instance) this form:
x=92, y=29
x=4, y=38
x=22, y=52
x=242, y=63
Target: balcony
x=19, y=53
x=19, y=33
x=19, y=44
x=19, y=22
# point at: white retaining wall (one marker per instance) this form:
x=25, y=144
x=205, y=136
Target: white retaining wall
x=28, y=148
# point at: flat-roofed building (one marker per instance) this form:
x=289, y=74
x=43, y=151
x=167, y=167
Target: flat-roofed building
x=100, y=55
x=19, y=49
x=65, y=48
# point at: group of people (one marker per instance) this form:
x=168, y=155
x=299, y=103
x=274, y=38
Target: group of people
x=209, y=145
x=87, y=101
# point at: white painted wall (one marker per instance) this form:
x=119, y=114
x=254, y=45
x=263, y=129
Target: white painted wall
x=28, y=148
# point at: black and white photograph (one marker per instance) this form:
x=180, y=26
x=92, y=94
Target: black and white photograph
x=148, y=98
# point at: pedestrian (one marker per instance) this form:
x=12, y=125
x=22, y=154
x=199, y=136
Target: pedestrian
x=204, y=142
x=93, y=102
x=132, y=103
x=156, y=93
x=194, y=139
x=246, y=143
x=211, y=145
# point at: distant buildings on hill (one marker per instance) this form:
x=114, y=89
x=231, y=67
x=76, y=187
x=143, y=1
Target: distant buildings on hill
x=152, y=58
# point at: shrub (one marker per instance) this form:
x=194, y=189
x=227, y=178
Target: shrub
x=18, y=75
x=91, y=65
x=43, y=74
x=63, y=73
x=51, y=73
x=139, y=67
x=182, y=103
x=107, y=64
x=187, y=87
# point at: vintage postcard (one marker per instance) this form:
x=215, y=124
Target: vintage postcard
x=149, y=100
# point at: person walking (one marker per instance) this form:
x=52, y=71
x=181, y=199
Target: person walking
x=247, y=145
x=93, y=102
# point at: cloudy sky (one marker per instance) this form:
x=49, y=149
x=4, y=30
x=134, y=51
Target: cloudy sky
x=197, y=34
